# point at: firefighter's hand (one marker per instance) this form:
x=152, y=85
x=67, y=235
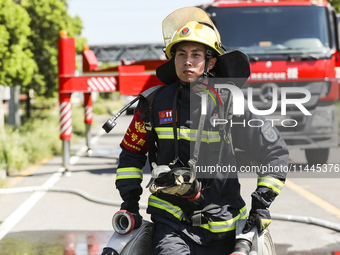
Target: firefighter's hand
x=138, y=220
x=259, y=218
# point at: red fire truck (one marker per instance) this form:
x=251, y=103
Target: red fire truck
x=290, y=44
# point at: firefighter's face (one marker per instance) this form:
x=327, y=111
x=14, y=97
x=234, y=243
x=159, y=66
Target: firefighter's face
x=190, y=60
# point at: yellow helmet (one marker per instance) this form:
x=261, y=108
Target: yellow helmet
x=190, y=24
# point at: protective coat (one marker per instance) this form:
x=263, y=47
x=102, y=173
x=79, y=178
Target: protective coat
x=220, y=182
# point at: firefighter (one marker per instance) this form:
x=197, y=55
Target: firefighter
x=195, y=211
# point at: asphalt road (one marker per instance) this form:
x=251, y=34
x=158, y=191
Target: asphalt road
x=56, y=222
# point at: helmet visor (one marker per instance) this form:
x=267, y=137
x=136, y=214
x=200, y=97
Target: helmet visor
x=180, y=17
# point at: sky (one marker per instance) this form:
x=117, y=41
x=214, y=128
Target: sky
x=125, y=21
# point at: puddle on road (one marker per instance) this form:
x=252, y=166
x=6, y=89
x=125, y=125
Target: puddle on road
x=54, y=243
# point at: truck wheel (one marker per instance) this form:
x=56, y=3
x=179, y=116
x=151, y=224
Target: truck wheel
x=317, y=156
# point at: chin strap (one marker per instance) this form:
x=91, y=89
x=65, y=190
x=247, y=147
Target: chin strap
x=206, y=66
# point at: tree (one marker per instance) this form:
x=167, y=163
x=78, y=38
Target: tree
x=17, y=65
x=48, y=17
x=335, y=4
x=29, y=30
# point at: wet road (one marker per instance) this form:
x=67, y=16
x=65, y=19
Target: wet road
x=60, y=222
x=55, y=242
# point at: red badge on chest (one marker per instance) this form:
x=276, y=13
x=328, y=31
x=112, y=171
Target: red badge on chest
x=165, y=117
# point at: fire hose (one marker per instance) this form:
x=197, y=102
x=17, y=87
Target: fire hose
x=126, y=239
x=282, y=217
x=74, y=191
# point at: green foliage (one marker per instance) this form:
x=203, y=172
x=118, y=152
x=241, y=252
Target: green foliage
x=109, y=105
x=37, y=139
x=29, y=31
x=17, y=65
x=41, y=137
x=48, y=18
x=12, y=154
x=335, y=4
x=78, y=125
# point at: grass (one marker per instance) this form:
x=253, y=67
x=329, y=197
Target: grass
x=38, y=136
x=35, y=140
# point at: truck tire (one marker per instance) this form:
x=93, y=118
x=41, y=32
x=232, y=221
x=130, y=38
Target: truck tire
x=317, y=156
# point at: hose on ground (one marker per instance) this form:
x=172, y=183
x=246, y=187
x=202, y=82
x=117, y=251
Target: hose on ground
x=282, y=217
x=307, y=220
x=74, y=191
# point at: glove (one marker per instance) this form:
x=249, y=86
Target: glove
x=259, y=218
x=131, y=206
x=138, y=220
x=131, y=201
x=259, y=215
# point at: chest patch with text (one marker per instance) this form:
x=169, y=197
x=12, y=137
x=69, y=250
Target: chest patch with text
x=165, y=117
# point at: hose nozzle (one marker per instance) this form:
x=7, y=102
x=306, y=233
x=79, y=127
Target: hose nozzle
x=123, y=222
x=109, y=124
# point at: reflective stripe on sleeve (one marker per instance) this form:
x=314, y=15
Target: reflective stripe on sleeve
x=270, y=182
x=187, y=134
x=227, y=225
x=165, y=205
x=129, y=173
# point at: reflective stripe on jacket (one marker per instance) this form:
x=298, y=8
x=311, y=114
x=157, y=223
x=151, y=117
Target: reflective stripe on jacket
x=213, y=226
x=270, y=182
x=187, y=134
x=129, y=173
